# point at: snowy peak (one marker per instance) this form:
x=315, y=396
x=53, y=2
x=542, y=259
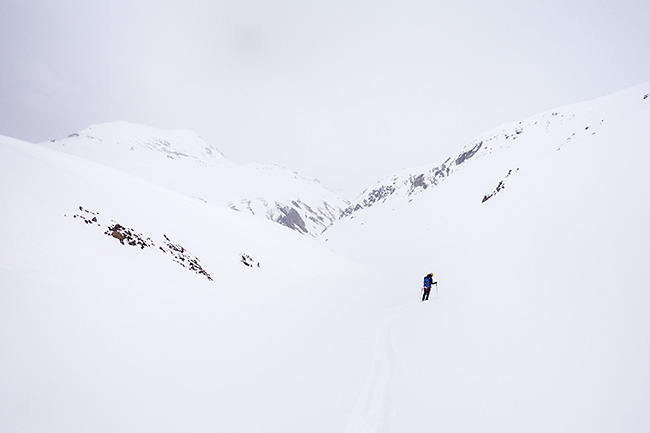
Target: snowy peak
x=123, y=136
x=183, y=162
x=517, y=143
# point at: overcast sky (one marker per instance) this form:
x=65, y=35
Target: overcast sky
x=346, y=91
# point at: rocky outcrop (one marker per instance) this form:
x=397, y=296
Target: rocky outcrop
x=500, y=186
x=129, y=237
x=248, y=261
x=183, y=258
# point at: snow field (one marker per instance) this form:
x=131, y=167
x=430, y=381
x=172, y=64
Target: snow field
x=542, y=319
x=93, y=330
x=541, y=324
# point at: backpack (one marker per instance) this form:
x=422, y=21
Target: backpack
x=427, y=280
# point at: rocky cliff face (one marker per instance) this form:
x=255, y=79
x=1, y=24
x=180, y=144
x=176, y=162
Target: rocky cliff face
x=411, y=182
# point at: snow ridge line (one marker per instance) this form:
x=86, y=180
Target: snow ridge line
x=371, y=413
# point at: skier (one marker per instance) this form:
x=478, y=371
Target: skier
x=426, y=289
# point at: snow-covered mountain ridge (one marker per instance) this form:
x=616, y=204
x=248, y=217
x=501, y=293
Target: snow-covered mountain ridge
x=183, y=162
x=525, y=140
x=120, y=135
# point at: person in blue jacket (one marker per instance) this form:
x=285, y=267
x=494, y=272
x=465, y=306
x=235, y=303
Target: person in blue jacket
x=426, y=289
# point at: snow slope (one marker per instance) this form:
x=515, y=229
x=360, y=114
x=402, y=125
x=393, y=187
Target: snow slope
x=541, y=322
x=542, y=319
x=519, y=142
x=100, y=336
x=183, y=162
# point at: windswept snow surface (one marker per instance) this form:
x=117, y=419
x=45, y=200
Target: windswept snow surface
x=183, y=162
x=541, y=323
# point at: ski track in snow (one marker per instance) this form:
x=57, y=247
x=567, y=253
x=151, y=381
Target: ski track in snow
x=371, y=413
